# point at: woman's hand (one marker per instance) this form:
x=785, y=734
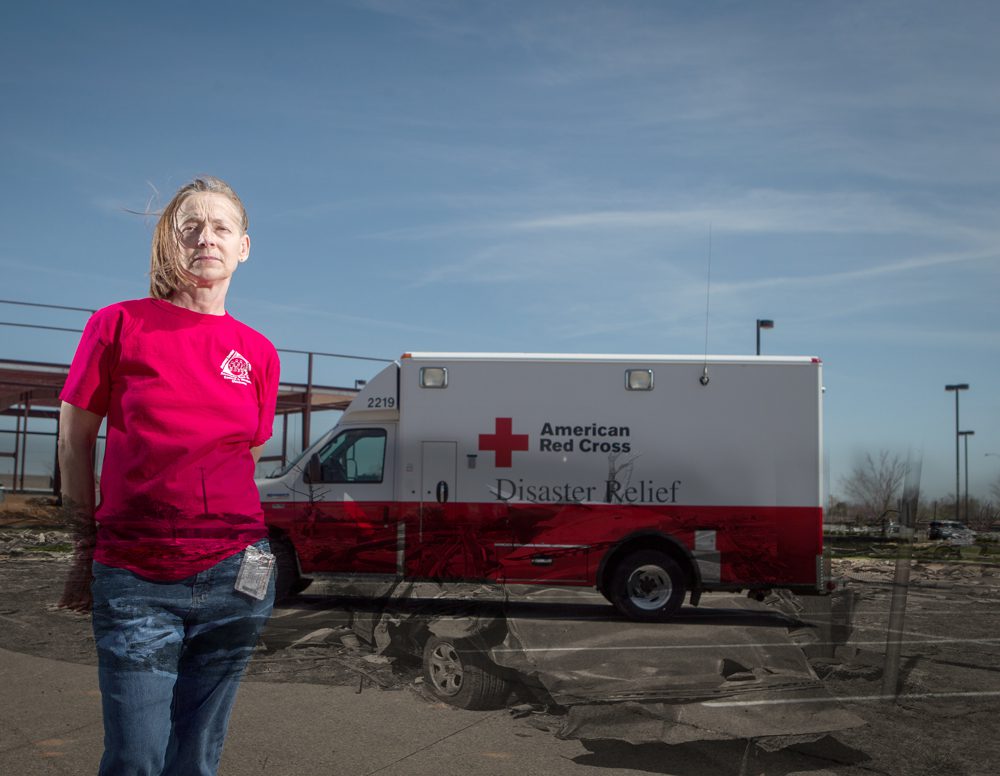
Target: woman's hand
x=76, y=595
x=78, y=430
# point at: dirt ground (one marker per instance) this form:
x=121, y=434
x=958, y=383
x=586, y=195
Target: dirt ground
x=945, y=720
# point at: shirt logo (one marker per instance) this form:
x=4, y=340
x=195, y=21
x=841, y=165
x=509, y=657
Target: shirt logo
x=236, y=368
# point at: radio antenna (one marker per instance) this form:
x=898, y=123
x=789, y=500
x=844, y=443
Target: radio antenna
x=708, y=297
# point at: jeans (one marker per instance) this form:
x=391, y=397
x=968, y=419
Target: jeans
x=170, y=658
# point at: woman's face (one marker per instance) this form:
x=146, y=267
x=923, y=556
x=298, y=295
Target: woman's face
x=211, y=237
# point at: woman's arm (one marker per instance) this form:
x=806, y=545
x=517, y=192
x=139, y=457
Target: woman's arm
x=78, y=430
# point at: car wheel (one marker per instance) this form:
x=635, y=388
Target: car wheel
x=460, y=673
x=647, y=585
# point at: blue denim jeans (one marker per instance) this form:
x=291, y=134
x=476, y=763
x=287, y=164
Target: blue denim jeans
x=170, y=658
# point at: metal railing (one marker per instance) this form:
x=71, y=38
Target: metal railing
x=24, y=400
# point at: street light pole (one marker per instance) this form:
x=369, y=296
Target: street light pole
x=966, y=435
x=958, y=462
x=762, y=323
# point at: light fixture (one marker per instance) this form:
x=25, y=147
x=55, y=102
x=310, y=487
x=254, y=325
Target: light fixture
x=433, y=377
x=639, y=379
x=763, y=323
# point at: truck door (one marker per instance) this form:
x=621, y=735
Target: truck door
x=437, y=467
x=456, y=538
x=440, y=552
x=350, y=522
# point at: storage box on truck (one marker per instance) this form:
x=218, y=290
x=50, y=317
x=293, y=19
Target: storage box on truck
x=648, y=477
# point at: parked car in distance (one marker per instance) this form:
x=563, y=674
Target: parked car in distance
x=951, y=530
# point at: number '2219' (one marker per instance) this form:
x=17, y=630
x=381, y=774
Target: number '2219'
x=381, y=402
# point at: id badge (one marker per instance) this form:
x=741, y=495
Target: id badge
x=254, y=573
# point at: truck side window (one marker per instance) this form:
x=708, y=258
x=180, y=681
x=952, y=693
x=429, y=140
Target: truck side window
x=356, y=455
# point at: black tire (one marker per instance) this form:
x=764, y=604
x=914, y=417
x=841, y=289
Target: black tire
x=647, y=585
x=460, y=673
x=287, y=580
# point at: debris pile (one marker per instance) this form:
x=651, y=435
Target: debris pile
x=49, y=544
x=930, y=573
x=21, y=511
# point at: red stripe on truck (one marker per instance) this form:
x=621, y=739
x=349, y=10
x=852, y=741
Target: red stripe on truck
x=561, y=543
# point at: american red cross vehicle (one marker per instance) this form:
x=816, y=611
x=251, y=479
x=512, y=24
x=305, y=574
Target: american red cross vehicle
x=648, y=477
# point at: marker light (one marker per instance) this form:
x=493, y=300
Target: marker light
x=433, y=377
x=639, y=379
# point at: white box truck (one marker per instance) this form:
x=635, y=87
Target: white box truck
x=647, y=477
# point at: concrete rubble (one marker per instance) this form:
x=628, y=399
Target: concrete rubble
x=50, y=543
x=734, y=669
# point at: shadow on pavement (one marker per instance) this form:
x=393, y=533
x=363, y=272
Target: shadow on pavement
x=536, y=610
x=698, y=758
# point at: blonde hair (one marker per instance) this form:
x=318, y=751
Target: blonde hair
x=166, y=270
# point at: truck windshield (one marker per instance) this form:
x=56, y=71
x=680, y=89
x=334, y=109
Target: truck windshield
x=299, y=461
x=281, y=471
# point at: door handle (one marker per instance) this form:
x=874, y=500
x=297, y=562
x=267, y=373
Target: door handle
x=442, y=492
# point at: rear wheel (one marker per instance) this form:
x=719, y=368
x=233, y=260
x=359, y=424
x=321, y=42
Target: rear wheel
x=647, y=585
x=459, y=672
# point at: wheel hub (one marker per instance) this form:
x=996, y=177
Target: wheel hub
x=649, y=587
x=446, y=669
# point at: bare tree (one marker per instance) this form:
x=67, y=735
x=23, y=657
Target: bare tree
x=982, y=513
x=874, y=485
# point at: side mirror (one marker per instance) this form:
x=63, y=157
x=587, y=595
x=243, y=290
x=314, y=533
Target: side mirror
x=314, y=471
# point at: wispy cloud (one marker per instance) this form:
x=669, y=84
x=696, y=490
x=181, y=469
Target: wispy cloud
x=754, y=211
x=848, y=276
x=578, y=247
x=771, y=211
x=54, y=270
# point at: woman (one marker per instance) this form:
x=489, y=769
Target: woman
x=189, y=396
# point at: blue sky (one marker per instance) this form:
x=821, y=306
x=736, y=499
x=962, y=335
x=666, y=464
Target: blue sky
x=541, y=176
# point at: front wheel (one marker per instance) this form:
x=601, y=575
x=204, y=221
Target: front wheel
x=647, y=585
x=460, y=673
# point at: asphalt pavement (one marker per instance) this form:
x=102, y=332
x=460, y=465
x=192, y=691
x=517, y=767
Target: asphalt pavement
x=50, y=720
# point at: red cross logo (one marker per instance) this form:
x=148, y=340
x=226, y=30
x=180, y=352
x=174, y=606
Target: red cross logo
x=503, y=442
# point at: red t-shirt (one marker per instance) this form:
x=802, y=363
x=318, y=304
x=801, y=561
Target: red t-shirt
x=186, y=396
